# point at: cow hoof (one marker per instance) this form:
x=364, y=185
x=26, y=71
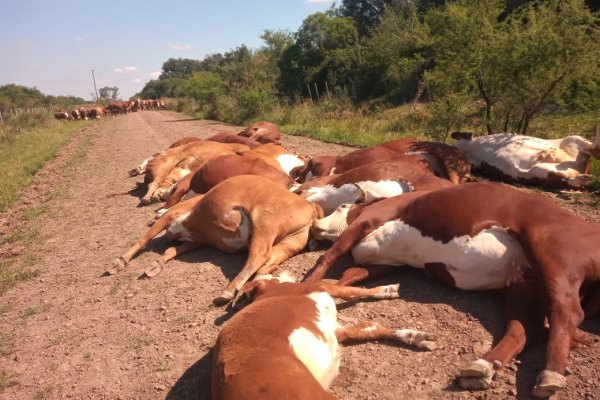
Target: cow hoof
x=160, y=212
x=314, y=244
x=224, y=298
x=151, y=222
x=133, y=172
x=155, y=269
x=145, y=201
x=477, y=376
x=117, y=265
x=388, y=292
x=548, y=383
x=420, y=339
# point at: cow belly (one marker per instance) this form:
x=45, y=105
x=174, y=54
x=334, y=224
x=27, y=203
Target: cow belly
x=492, y=259
x=319, y=353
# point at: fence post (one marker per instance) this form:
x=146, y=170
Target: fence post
x=317, y=92
x=309, y=93
x=327, y=88
x=1, y=119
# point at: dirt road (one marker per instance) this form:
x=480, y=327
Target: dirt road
x=71, y=333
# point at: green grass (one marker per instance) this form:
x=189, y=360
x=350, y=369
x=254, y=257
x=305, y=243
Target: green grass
x=26, y=144
x=24, y=149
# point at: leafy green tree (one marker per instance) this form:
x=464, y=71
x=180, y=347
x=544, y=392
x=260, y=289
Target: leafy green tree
x=206, y=88
x=108, y=93
x=179, y=68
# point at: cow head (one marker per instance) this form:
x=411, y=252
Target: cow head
x=261, y=285
x=331, y=227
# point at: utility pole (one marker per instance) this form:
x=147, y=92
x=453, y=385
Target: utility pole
x=94, y=78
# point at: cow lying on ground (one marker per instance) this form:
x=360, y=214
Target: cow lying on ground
x=242, y=212
x=164, y=170
x=259, y=355
x=141, y=169
x=559, y=163
x=226, y=137
x=446, y=161
x=368, y=182
x=478, y=237
x=276, y=156
x=62, y=114
x=219, y=169
x=263, y=132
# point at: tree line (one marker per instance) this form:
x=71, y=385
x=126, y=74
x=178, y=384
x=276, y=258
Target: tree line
x=500, y=62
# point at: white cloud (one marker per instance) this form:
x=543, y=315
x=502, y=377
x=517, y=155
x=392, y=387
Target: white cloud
x=154, y=75
x=125, y=69
x=179, y=46
x=137, y=80
x=78, y=39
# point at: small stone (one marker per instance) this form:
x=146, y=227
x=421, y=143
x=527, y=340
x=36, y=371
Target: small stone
x=160, y=388
x=512, y=392
x=129, y=295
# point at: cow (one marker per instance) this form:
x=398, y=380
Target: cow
x=557, y=164
x=226, y=137
x=482, y=236
x=446, y=161
x=241, y=212
x=371, y=181
x=62, y=114
x=217, y=170
x=140, y=169
x=120, y=107
x=263, y=132
x=276, y=155
x=259, y=355
x=167, y=168
x=97, y=112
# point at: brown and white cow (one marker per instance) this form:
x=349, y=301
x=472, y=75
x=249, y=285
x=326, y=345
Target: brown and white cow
x=62, y=114
x=263, y=132
x=558, y=163
x=120, y=107
x=140, y=169
x=242, y=212
x=277, y=156
x=164, y=170
x=446, y=161
x=226, y=137
x=217, y=170
x=372, y=181
x=260, y=355
x=484, y=236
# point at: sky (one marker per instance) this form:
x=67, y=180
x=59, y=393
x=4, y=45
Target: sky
x=55, y=45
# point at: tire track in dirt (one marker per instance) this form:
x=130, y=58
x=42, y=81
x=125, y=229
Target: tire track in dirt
x=71, y=333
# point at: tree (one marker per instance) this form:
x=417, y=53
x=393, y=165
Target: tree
x=109, y=93
x=179, y=68
x=206, y=88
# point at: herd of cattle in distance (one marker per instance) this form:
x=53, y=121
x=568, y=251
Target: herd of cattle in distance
x=404, y=202
x=114, y=108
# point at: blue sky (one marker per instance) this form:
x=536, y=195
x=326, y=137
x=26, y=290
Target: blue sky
x=54, y=45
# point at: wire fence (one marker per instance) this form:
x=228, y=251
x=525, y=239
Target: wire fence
x=15, y=112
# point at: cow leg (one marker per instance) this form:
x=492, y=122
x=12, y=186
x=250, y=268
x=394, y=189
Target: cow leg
x=148, y=197
x=525, y=322
x=172, y=252
x=368, y=330
x=357, y=274
x=350, y=237
x=258, y=254
x=564, y=317
x=354, y=293
x=285, y=249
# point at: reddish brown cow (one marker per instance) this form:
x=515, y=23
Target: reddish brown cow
x=446, y=161
x=372, y=181
x=62, y=114
x=226, y=137
x=263, y=132
x=276, y=155
x=259, y=355
x=483, y=236
x=120, y=107
x=217, y=170
x=242, y=212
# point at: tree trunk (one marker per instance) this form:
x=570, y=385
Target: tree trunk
x=488, y=103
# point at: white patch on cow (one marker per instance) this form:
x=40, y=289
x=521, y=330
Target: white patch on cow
x=492, y=259
x=288, y=161
x=188, y=195
x=176, y=230
x=526, y=157
x=309, y=176
x=321, y=355
x=332, y=226
x=240, y=241
x=330, y=197
x=160, y=212
x=283, y=277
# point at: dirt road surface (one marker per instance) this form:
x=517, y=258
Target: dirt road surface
x=72, y=333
